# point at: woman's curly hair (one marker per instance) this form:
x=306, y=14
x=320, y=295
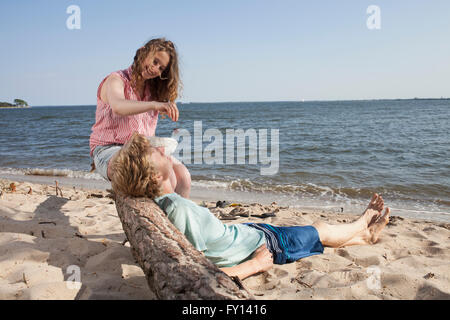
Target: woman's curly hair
x=134, y=174
x=164, y=88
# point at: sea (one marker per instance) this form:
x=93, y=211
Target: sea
x=329, y=155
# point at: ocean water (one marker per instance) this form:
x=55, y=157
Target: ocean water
x=331, y=154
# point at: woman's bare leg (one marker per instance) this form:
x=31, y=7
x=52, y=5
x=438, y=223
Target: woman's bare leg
x=337, y=235
x=109, y=170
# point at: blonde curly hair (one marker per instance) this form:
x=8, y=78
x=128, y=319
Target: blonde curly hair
x=133, y=173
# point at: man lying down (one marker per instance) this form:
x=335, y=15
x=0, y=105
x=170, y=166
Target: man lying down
x=237, y=249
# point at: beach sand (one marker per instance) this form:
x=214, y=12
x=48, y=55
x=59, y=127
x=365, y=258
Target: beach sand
x=45, y=239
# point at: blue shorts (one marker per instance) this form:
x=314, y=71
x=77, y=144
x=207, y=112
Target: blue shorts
x=288, y=244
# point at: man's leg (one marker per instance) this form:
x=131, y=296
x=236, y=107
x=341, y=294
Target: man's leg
x=371, y=234
x=337, y=235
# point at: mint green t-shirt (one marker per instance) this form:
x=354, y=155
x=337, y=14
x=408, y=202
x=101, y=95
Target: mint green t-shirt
x=224, y=245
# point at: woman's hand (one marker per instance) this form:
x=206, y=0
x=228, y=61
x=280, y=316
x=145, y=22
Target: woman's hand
x=168, y=108
x=263, y=258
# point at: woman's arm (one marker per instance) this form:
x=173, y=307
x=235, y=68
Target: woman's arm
x=116, y=99
x=262, y=261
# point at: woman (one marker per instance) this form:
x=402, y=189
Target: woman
x=130, y=100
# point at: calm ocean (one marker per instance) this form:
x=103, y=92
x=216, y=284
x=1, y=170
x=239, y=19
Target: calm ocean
x=331, y=153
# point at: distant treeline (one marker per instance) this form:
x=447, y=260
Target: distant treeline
x=17, y=103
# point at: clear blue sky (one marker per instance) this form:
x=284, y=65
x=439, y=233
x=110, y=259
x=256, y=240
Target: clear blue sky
x=230, y=50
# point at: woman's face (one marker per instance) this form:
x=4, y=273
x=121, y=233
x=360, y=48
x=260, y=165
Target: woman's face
x=155, y=65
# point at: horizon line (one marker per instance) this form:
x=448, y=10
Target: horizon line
x=249, y=101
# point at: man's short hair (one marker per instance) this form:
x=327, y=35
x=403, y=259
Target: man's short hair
x=133, y=173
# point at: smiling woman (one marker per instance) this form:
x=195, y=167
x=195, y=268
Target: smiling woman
x=130, y=101
x=156, y=65
x=153, y=65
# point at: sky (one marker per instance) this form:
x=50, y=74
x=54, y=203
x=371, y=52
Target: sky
x=230, y=50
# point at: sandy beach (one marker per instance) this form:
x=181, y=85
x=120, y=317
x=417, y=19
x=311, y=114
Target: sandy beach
x=46, y=238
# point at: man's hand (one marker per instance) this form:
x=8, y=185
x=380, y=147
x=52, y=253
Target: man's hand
x=264, y=258
x=261, y=261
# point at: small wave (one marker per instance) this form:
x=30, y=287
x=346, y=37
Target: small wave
x=443, y=202
x=323, y=192
x=47, y=117
x=210, y=184
x=51, y=173
x=418, y=212
x=47, y=172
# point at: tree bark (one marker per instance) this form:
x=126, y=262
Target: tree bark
x=173, y=267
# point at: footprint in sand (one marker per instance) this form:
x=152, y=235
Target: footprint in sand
x=343, y=253
x=262, y=282
x=348, y=277
x=270, y=282
x=415, y=234
x=280, y=273
x=434, y=250
x=430, y=243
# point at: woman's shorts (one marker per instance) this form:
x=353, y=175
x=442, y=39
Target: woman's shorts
x=102, y=154
x=288, y=244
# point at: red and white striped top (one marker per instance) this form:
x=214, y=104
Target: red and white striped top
x=111, y=128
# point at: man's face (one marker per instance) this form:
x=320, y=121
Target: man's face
x=160, y=161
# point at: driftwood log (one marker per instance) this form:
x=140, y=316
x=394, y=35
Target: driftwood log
x=174, y=269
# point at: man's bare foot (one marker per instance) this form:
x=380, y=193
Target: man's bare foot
x=376, y=203
x=374, y=209
x=378, y=226
x=371, y=234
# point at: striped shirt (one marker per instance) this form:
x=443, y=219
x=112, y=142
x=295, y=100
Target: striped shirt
x=111, y=128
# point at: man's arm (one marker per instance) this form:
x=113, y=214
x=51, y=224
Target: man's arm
x=261, y=261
